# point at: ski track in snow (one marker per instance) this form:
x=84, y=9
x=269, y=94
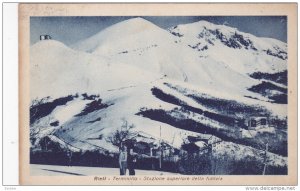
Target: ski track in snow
x=53, y=170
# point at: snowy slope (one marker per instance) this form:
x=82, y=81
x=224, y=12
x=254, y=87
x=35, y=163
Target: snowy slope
x=243, y=52
x=137, y=42
x=52, y=170
x=142, y=44
x=131, y=34
x=57, y=70
x=123, y=63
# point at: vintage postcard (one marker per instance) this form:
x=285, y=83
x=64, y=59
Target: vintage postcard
x=158, y=94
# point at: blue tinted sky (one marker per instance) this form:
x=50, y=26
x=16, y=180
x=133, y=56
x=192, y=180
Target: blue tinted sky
x=71, y=29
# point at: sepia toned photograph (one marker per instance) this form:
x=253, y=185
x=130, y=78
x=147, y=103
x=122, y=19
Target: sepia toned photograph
x=130, y=96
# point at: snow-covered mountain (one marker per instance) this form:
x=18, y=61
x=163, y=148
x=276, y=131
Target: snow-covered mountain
x=142, y=44
x=57, y=70
x=260, y=58
x=159, y=81
x=243, y=52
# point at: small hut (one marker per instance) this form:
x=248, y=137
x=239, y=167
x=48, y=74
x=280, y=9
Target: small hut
x=257, y=122
x=45, y=37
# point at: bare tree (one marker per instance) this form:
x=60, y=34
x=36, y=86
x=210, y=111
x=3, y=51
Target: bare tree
x=121, y=135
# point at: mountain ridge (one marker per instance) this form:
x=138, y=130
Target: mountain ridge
x=168, y=87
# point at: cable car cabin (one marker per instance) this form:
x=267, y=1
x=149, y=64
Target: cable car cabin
x=257, y=122
x=45, y=37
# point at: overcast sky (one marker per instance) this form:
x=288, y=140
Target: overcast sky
x=71, y=29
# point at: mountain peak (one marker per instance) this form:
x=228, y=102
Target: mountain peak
x=116, y=32
x=133, y=25
x=128, y=33
x=202, y=25
x=51, y=42
x=137, y=20
x=212, y=25
x=46, y=45
x=202, y=35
